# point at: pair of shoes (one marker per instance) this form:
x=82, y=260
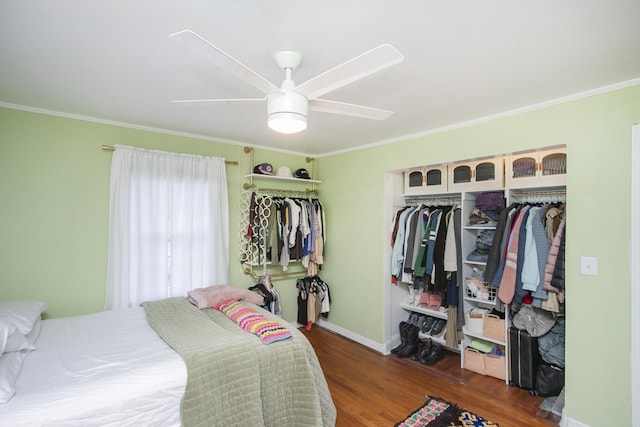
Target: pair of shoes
x=433, y=356
x=427, y=347
x=428, y=324
x=433, y=326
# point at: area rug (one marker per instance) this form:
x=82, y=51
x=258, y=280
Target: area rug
x=436, y=412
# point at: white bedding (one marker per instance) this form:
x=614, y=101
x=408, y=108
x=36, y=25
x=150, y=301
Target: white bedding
x=103, y=369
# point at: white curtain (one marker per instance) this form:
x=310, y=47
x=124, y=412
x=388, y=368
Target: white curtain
x=168, y=225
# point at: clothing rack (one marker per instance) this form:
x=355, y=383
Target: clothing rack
x=250, y=249
x=432, y=200
x=277, y=192
x=250, y=272
x=554, y=196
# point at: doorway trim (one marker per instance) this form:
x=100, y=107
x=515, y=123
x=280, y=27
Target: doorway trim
x=634, y=256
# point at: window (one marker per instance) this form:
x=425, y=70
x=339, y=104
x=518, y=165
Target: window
x=168, y=225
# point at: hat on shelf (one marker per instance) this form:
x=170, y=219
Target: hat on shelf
x=284, y=172
x=263, y=169
x=302, y=174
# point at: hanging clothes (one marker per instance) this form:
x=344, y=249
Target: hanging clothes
x=314, y=300
x=420, y=242
x=522, y=260
x=282, y=230
x=269, y=293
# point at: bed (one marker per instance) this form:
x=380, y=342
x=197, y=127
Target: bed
x=165, y=364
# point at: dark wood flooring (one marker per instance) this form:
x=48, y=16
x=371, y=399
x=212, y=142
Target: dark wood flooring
x=370, y=389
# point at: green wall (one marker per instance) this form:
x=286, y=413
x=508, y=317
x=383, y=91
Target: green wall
x=54, y=185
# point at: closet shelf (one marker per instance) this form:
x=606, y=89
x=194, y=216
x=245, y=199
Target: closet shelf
x=481, y=227
x=439, y=340
x=467, y=332
x=423, y=310
x=474, y=262
x=280, y=178
x=480, y=301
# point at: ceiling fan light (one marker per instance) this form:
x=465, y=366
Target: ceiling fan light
x=287, y=122
x=287, y=112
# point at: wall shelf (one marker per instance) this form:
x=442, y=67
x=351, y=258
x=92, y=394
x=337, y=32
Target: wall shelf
x=281, y=178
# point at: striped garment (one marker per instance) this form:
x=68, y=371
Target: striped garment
x=252, y=321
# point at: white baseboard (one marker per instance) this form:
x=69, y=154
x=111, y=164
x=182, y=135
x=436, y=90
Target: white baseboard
x=568, y=422
x=376, y=346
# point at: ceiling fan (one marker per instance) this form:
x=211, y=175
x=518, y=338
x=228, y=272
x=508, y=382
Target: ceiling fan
x=288, y=105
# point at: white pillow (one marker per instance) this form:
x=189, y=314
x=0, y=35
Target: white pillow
x=11, y=339
x=10, y=367
x=23, y=314
x=32, y=336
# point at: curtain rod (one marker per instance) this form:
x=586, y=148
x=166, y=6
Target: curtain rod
x=112, y=148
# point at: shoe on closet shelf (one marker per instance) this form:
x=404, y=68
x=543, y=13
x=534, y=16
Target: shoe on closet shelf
x=415, y=319
x=425, y=296
x=419, y=320
x=435, y=302
x=428, y=324
x=414, y=295
x=438, y=327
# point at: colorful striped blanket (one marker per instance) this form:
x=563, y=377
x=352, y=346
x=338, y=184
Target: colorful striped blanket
x=250, y=320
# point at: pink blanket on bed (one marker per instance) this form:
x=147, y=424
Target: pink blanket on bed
x=216, y=294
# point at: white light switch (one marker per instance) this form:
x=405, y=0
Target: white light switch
x=589, y=266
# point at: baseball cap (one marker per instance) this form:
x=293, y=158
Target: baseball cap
x=263, y=169
x=302, y=174
x=285, y=172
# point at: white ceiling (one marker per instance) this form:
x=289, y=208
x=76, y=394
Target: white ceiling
x=464, y=60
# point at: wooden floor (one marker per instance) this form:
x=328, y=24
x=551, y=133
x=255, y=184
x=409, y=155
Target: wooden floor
x=370, y=389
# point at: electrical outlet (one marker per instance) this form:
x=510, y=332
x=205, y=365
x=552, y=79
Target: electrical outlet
x=589, y=266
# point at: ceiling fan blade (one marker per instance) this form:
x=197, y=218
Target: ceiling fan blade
x=361, y=66
x=217, y=56
x=201, y=102
x=343, y=108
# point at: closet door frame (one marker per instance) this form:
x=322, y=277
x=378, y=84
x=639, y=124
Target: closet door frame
x=635, y=272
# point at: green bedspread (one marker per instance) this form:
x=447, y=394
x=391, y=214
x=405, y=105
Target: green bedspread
x=236, y=380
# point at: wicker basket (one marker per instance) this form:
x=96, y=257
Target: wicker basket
x=494, y=327
x=474, y=320
x=474, y=360
x=495, y=366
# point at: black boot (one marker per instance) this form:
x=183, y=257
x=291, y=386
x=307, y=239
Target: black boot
x=434, y=357
x=426, y=349
x=412, y=342
x=403, y=337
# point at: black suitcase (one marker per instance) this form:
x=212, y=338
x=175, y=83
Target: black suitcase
x=524, y=359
